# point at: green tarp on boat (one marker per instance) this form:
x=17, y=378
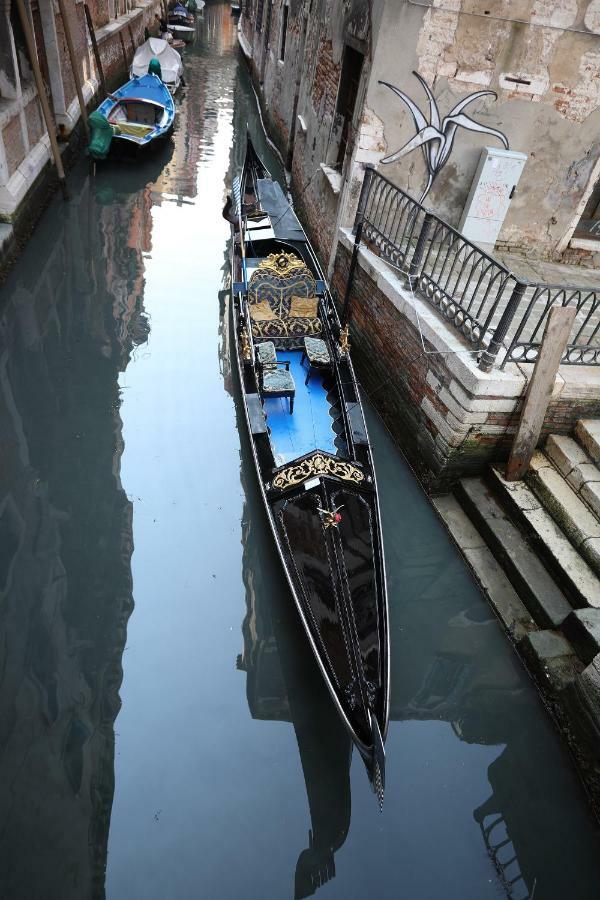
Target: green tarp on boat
x=101, y=136
x=154, y=68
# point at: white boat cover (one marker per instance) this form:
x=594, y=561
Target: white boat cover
x=169, y=59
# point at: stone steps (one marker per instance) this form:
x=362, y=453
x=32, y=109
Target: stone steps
x=534, y=546
x=577, y=468
x=587, y=432
x=579, y=583
x=544, y=536
x=572, y=515
x=533, y=583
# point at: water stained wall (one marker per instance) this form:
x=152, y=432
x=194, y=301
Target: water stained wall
x=540, y=60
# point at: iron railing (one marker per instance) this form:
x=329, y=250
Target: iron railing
x=501, y=315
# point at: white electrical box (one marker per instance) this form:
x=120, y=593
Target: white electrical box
x=494, y=184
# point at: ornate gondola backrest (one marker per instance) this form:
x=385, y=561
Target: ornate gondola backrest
x=278, y=278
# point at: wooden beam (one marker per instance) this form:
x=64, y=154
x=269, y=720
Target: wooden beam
x=41, y=89
x=556, y=336
x=74, y=68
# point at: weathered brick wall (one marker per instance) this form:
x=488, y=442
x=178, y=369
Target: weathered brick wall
x=111, y=48
x=99, y=10
x=35, y=123
x=444, y=428
x=79, y=37
x=14, y=147
x=326, y=80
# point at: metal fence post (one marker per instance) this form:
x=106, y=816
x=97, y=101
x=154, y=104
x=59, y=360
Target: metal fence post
x=364, y=196
x=488, y=356
x=351, y=271
x=420, y=248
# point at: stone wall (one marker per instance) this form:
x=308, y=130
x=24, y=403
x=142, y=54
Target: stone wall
x=450, y=418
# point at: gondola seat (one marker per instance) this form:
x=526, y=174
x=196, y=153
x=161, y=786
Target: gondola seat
x=274, y=382
x=317, y=355
x=283, y=303
x=279, y=383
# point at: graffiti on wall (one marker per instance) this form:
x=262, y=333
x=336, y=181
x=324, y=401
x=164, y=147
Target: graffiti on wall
x=435, y=136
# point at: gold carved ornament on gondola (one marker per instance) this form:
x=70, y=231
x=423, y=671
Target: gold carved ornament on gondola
x=318, y=464
x=284, y=265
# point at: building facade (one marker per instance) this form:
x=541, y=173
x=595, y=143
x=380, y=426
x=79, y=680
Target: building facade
x=347, y=82
x=119, y=27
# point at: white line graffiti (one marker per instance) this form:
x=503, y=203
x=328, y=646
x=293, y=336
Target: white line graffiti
x=436, y=137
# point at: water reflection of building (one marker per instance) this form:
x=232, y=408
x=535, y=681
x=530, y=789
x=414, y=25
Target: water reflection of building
x=197, y=115
x=284, y=684
x=68, y=324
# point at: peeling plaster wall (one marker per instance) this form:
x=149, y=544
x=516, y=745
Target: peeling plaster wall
x=544, y=65
x=555, y=118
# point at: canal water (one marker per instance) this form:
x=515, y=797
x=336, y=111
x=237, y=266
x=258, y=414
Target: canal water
x=164, y=732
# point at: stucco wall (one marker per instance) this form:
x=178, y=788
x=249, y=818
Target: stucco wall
x=555, y=119
x=542, y=60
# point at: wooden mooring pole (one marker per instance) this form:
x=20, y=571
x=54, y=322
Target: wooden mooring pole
x=41, y=89
x=74, y=68
x=95, y=49
x=556, y=336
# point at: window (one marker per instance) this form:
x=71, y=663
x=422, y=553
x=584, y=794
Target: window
x=348, y=91
x=284, y=24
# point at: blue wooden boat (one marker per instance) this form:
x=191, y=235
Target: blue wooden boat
x=140, y=111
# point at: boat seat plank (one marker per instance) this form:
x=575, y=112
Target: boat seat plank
x=258, y=423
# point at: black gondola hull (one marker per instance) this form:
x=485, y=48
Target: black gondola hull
x=323, y=513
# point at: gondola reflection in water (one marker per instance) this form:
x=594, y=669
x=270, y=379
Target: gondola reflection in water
x=312, y=453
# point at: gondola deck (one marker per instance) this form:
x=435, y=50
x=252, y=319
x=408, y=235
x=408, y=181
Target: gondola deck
x=311, y=425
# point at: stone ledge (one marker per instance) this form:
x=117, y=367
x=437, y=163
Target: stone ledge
x=587, y=432
x=246, y=48
x=334, y=178
x=458, y=358
x=115, y=25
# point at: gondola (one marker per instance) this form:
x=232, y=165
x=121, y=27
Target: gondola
x=139, y=112
x=312, y=454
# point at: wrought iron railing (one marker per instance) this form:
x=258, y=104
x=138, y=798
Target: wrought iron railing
x=501, y=315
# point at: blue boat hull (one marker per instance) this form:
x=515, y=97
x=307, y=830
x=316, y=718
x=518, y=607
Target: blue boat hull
x=149, y=90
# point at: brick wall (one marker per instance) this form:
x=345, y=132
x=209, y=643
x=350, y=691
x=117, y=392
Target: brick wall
x=13, y=144
x=35, y=123
x=326, y=80
x=99, y=11
x=111, y=48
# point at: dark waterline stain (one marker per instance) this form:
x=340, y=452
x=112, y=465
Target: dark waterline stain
x=186, y=746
